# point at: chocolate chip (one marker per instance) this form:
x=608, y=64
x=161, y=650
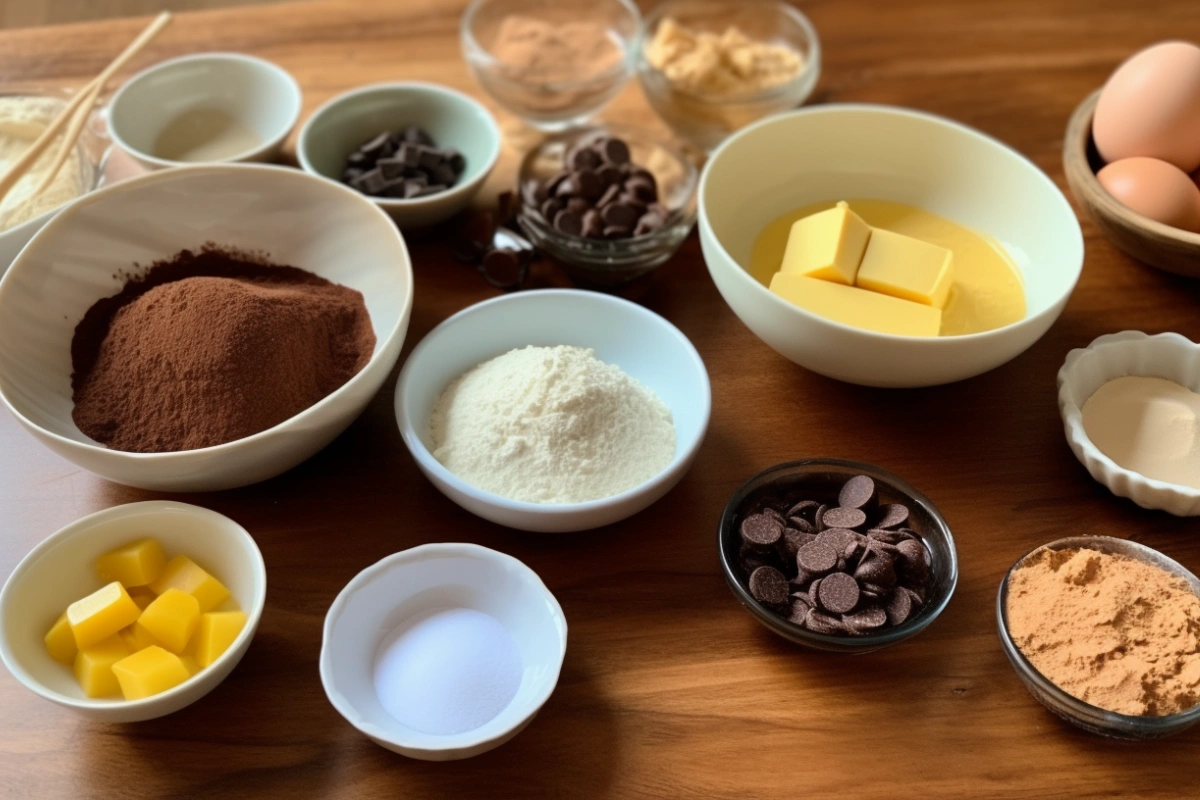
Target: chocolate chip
x=620, y=214
x=568, y=222
x=642, y=190
x=583, y=158
x=817, y=557
x=865, y=619
x=577, y=205
x=613, y=150
x=611, y=176
x=501, y=262
x=617, y=232
x=891, y=515
x=593, y=224
x=803, y=506
x=844, y=517
x=791, y=541
x=879, y=570
x=647, y=224
x=800, y=607
x=913, y=553
x=800, y=523
x=819, y=518
x=813, y=588
x=609, y=196
x=836, y=538
x=590, y=185
x=856, y=493
x=551, y=207
x=819, y=622
x=760, y=530
x=838, y=593
x=769, y=586
x=888, y=537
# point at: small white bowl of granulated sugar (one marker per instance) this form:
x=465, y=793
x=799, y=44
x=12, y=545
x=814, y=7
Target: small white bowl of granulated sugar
x=556, y=410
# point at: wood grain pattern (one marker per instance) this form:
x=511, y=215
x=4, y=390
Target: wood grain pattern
x=1144, y=239
x=669, y=689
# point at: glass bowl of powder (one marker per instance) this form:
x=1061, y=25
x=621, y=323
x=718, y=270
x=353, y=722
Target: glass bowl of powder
x=555, y=65
x=1103, y=632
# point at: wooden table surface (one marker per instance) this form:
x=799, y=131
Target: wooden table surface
x=669, y=689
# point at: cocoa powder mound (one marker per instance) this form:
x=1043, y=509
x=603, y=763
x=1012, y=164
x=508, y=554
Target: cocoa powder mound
x=212, y=346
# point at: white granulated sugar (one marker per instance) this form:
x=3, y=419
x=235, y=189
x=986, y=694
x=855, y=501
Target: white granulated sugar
x=552, y=425
x=448, y=671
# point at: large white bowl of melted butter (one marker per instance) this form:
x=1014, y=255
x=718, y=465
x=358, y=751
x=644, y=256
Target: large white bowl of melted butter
x=1016, y=244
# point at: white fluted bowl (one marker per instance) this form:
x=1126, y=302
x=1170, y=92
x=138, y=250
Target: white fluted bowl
x=81, y=255
x=1117, y=355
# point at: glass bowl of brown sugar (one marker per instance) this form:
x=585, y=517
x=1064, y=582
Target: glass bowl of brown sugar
x=1066, y=705
x=553, y=64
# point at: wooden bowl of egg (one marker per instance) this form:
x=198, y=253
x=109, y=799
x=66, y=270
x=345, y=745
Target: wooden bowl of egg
x=1132, y=157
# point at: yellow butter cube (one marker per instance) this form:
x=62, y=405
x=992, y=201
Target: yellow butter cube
x=94, y=667
x=101, y=614
x=828, y=245
x=172, y=619
x=908, y=268
x=60, y=641
x=135, y=564
x=148, y=672
x=185, y=575
x=858, y=307
x=190, y=664
x=141, y=596
x=217, y=631
x=136, y=637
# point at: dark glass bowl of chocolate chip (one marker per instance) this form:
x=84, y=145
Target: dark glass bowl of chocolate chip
x=837, y=555
x=609, y=204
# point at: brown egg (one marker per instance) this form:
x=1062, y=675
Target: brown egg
x=1154, y=189
x=1151, y=107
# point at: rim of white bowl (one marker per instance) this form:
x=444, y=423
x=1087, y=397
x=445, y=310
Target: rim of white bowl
x=835, y=108
x=296, y=94
x=64, y=217
x=424, y=552
x=421, y=453
x=73, y=529
x=416, y=87
x=1072, y=412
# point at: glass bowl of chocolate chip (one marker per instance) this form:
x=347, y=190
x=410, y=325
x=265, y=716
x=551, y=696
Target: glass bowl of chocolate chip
x=608, y=204
x=837, y=555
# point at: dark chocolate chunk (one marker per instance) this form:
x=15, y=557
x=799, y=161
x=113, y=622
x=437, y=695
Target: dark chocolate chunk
x=841, y=517
x=760, y=530
x=817, y=557
x=379, y=147
x=416, y=135
x=391, y=168
x=769, y=586
x=891, y=515
x=501, y=261
x=838, y=593
x=401, y=157
x=858, y=492
x=370, y=182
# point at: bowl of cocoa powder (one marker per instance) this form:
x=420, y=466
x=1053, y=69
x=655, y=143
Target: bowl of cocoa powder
x=1103, y=632
x=203, y=328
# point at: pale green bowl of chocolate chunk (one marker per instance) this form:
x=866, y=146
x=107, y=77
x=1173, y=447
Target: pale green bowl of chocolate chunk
x=454, y=122
x=837, y=555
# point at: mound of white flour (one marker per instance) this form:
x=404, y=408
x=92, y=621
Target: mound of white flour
x=551, y=425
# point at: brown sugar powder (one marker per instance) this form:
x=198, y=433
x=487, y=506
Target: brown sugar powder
x=537, y=50
x=212, y=346
x=1112, y=631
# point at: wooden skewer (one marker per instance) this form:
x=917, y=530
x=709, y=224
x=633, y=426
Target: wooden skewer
x=77, y=112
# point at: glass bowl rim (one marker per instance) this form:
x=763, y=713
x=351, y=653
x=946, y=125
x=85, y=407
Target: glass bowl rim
x=789, y=630
x=812, y=59
x=1081, y=710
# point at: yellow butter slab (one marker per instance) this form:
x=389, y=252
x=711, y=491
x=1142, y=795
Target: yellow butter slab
x=908, y=268
x=136, y=637
x=135, y=564
x=172, y=619
x=828, y=245
x=185, y=575
x=858, y=307
x=216, y=633
x=149, y=672
x=93, y=667
x=101, y=614
x=60, y=641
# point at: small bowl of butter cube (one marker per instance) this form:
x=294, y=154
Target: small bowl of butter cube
x=133, y=612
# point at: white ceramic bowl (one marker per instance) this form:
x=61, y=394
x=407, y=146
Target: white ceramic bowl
x=1117, y=355
x=75, y=260
x=453, y=119
x=834, y=152
x=638, y=341
x=256, y=93
x=427, y=578
x=61, y=569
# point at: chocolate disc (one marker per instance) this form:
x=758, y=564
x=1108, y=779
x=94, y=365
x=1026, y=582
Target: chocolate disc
x=791, y=541
x=837, y=538
x=858, y=492
x=768, y=586
x=879, y=570
x=840, y=517
x=913, y=553
x=802, y=507
x=761, y=530
x=800, y=523
x=838, y=593
x=819, y=518
x=818, y=622
x=799, y=609
x=817, y=557
x=891, y=515
x=899, y=607
x=865, y=619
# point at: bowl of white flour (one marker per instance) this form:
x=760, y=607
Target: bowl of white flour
x=554, y=410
